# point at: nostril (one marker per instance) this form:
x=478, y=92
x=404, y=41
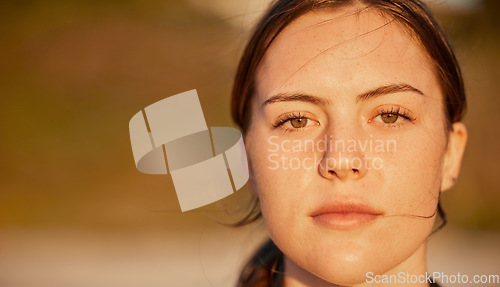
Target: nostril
x=355, y=170
x=331, y=172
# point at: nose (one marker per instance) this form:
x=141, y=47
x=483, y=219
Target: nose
x=344, y=158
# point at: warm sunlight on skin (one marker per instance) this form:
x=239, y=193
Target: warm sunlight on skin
x=328, y=80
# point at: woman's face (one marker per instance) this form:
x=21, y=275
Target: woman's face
x=347, y=144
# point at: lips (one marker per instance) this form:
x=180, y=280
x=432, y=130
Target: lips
x=345, y=215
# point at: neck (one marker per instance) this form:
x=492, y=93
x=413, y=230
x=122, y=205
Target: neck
x=414, y=267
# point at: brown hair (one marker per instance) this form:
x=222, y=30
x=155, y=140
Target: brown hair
x=413, y=14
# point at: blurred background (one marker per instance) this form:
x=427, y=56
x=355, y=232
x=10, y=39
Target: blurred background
x=74, y=211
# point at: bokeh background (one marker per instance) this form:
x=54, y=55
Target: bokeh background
x=74, y=211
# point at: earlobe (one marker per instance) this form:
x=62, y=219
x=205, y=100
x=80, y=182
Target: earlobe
x=457, y=140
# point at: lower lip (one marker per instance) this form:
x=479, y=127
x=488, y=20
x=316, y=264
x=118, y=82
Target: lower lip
x=345, y=220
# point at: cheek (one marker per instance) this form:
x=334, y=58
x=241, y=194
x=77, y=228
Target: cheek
x=280, y=172
x=413, y=172
x=281, y=176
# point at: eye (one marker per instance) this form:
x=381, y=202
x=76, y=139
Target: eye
x=298, y=122
x=393, y=116
x=294, y=121
x=389, y=118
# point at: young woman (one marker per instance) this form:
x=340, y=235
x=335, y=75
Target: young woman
x=351, y=115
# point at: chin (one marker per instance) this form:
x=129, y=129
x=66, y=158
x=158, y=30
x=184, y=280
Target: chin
x=346, y=270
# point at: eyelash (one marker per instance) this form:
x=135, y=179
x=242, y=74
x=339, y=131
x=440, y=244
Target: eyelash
x=399, y=111
x=406, y=116
x=396, y=110
x=288, y=117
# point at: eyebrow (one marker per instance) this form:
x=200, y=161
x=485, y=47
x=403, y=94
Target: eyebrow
x=292, y=97
x=388, y=89
x=383, y=90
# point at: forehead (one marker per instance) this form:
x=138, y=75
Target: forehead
x=342, y=48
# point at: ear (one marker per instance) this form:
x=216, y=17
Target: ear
x=457, y=140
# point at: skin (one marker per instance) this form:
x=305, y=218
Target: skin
x=333, y=63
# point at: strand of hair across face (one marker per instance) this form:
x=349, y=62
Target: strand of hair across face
x=439, y=210
x=416, y=216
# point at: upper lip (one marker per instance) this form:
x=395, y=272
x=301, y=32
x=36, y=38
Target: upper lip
x=346, y=206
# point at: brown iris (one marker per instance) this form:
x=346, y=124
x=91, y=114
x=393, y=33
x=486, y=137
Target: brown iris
x=389, y=118
x=298, y=122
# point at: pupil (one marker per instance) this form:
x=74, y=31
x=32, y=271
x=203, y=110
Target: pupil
x=298, y=122
x=389, y=118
